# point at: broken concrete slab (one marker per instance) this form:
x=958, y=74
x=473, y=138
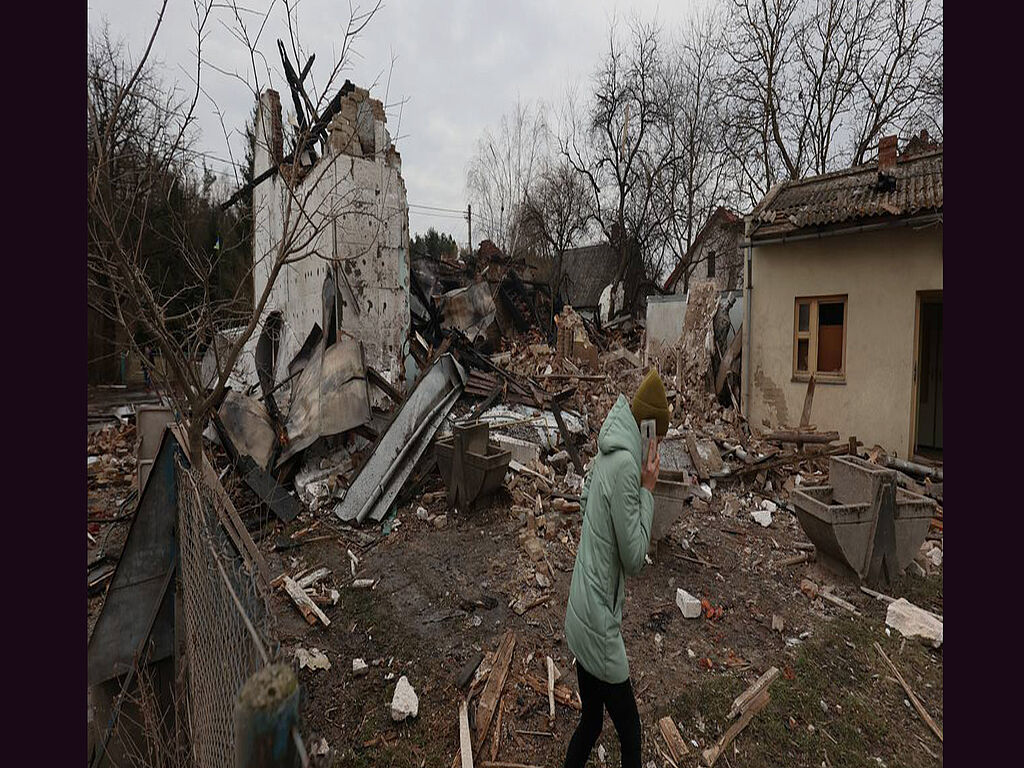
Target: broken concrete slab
x=523, y=451
x=312, y=658
x=913, y=622
x=559, y=460
x=688, y=604
x=359, y=667
x=762, y=517
x=404, y=703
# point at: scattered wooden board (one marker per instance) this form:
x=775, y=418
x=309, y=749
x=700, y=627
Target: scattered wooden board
x=839, y=601
x=805, y=417
x=921, y=711
x=312, y=578
x=465, y=743
x=563, y=695
x=551, y=691
x=673, y=739
x=305, y=604
x=741, y=702
x=492, y=690
x=712, y=753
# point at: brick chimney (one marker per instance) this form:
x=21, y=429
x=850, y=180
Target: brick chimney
x=269, y=132
x=887, y=156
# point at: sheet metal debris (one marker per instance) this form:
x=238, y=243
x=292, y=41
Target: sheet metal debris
x=373, y=490
x=330, y=396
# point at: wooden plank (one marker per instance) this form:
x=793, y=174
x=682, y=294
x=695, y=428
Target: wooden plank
x=308, y=608
x=227, y=513
x=312, y=578
x=496, y=738
x=798, y=436
x=839, y=601
x=377, y=379
x=673, y=739
x=743, y=700
x=698, y=461
x=551, y=691
x=563, y=695
x=492, y=690
x=712, y=753
x=465, y=743
x=805, y=417
x=921, y=711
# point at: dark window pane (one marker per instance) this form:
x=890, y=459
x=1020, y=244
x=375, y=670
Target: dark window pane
x=804, y=322
x=830, y=348
x=801, y=354
x=830, y=314
x=711, y=264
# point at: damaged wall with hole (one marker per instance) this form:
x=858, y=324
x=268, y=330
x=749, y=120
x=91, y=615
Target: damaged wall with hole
x=879, y=273
x=350, y=273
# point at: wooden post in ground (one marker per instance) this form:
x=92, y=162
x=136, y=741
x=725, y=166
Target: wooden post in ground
x=266, y=710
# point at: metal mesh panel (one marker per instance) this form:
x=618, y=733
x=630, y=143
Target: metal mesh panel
x=228, y=631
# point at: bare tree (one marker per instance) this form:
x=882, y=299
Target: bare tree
x=699, y=181
x=141, y=154
x=503, y=167
x=899, y=85
x=556, y=211
x=815, y=83
x=621, y=145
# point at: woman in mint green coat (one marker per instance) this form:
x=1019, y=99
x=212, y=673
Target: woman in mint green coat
x=617, y=510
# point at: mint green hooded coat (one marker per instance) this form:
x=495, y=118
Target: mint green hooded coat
x=617, y=513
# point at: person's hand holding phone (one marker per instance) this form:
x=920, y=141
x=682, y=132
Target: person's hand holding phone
x=652, y=467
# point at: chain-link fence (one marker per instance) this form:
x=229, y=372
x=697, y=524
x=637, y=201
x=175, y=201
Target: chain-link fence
x=228, y=631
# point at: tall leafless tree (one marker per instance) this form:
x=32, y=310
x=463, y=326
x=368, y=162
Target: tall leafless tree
x=141, y=150
x=556, y=213
x=700, y=180
x=504, y=166
x=621, y=144
x=815, y=83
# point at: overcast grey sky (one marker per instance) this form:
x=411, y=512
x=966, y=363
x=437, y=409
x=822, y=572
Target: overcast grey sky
x=459, y=65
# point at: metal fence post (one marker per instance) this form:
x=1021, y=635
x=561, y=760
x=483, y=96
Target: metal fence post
x=266, y=709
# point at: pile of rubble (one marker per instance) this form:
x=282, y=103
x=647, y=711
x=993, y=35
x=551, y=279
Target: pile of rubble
x=111, y=456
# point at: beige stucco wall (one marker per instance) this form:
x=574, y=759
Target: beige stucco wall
x=881, y=273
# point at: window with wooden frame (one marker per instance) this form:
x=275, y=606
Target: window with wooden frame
x=819, y=338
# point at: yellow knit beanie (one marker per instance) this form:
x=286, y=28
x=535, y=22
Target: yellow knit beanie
x=650, y=402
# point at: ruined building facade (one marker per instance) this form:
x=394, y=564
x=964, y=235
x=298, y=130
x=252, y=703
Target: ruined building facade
x=347, y=219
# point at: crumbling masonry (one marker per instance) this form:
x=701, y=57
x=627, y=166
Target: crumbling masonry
x=351, y=206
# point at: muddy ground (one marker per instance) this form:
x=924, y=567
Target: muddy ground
x=444, y=594
x=835, y=704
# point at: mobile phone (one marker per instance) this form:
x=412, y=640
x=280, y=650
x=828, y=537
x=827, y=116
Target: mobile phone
x=648, y=432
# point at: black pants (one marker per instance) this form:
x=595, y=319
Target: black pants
x=597, y=695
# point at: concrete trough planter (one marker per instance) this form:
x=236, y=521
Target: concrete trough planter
x=668, y=507
x=472, y=467
x=842, y=519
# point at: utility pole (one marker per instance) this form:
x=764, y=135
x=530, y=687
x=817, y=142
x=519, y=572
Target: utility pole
x=469, y=218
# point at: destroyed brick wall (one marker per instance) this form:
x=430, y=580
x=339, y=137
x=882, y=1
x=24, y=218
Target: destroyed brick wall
x=356, y=197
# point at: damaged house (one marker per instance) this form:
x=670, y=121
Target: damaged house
x=354, y=281
x=716, y=253
x=844, y=285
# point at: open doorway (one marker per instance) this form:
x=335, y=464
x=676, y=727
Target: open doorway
x=928, y=442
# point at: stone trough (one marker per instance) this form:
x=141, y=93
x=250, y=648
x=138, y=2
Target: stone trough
x=862, y=521
x=472, y=466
